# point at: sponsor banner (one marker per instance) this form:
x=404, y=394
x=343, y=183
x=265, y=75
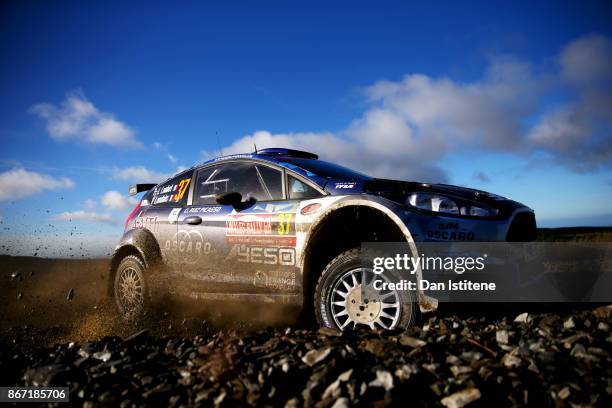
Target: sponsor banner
x=261, y=229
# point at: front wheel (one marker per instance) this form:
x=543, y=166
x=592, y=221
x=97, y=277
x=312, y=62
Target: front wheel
x=345, y=296
x=130, y=288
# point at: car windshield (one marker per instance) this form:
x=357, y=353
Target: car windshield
x=325, y=169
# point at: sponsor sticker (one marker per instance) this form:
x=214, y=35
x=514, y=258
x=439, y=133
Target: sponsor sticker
x=150, y=223
x=174, y=214
x=171, y=192
x=261, y=229
x=199, y=210
x=188, y=245
x=280, y=280
x=345, y=185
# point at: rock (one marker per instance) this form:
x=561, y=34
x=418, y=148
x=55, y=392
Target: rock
x=405, y=340
x=501, y=336
x=333, y=388
x=47, y=375
x=569, y=323
x=328, y=331
x=405, y=372
x=471, y=356
x=383, y=379
x=522, y=318
x=511, y=361
x=458, y=370
x=315, y=356
x=292, y=403
x=564, y=393
x=454, y=360
x=341, y=403
x=377, y=347
x=603, y=312
x=70, y=294
x=298, y=367
x=102, y=355
x=461, y=398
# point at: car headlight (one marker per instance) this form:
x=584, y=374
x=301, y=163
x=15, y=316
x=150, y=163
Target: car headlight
x=433, y=202
x=442, y=204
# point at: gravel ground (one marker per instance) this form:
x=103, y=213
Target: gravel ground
x=536, y=359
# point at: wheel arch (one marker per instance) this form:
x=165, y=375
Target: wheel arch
x=313, y=259
x=138, y=242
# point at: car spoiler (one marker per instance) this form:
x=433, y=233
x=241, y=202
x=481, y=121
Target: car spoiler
x=139, y=188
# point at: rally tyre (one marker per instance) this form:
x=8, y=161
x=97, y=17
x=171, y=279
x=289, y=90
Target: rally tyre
x=345, y=298
x=130, y=288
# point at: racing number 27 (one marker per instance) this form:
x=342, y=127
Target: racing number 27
x=284, y=224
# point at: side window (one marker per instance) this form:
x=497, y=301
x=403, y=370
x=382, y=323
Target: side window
x=172, y=193
x=299, y=190
x=252, y=181
x=211, y=181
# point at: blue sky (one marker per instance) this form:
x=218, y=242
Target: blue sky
x=512, y=98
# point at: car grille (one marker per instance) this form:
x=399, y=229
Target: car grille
x=523, y=228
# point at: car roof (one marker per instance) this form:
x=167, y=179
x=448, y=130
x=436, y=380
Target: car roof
x=287, y=158
x=276, y=156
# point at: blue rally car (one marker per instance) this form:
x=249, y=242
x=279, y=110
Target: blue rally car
x=282, y=226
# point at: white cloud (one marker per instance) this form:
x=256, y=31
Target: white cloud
x=578, y=133
x=20, y=183
x=412, y=125
x=90, y=204
x=86, y=216
x=113, y=200
x=136, y=174
x=77, y=118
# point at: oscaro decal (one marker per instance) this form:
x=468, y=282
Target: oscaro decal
x=189, y=245
x=451, y=235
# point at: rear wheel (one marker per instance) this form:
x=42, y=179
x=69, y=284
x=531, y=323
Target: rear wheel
x=345, y=296
x=130, y=288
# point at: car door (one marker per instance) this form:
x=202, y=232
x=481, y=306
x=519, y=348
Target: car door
x=248, y=249
x=160, y=215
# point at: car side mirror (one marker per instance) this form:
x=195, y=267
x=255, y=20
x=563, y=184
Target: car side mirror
x=232, y=198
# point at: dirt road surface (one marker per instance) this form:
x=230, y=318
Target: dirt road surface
x=58, y=327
